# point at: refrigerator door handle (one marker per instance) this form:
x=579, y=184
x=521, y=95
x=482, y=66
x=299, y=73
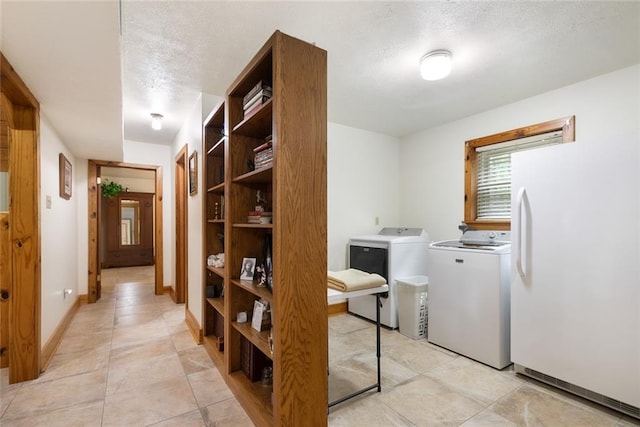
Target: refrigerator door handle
x=520, y=200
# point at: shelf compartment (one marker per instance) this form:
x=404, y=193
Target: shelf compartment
x=264, y=226
x=258, y=124
x=217, y=270
x=218, y=188
x=218, y=148
x=254, y=397
x=216, y=356
x=217, y=303
x=259, y=339
x=251, y=286
x=258, y=176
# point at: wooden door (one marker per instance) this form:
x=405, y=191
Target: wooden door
x=181, y=225
x=128, y=230
x=20, y=112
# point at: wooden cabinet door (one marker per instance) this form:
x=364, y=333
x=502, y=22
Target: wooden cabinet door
x=127, y=224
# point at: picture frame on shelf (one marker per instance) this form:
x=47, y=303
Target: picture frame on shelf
x=193, y=173
x=65, y=172
x=248, y=268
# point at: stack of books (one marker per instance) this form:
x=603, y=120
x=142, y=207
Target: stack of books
x=264, y=154
x=257, y=96
x=259, y=217
x=254, y=217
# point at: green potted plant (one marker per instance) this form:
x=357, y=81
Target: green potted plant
x=111, y=189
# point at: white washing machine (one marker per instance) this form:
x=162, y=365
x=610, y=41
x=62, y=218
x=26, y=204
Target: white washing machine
x=469, y=296
x=393, y=253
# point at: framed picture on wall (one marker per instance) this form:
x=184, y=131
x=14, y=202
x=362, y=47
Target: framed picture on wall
x=193, y=173
x=65, y=177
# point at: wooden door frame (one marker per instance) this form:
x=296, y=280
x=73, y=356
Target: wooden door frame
x=23, y=115
x=94, y=225
x=182, y=272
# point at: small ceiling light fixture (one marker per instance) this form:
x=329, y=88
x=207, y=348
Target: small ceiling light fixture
x=435, y=65
x=156, y=121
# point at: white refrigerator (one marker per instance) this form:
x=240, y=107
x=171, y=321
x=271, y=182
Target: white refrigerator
x=575, y=268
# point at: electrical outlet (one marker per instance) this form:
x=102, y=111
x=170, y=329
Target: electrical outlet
x=377, y=220
x=48, y=202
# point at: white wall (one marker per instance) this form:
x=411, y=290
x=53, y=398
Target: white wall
x=143, y=153
x=362, y=184
x=432, y=161
x=191, y=135
x=59, y=232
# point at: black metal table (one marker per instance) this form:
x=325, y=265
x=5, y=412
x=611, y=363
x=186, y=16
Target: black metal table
x=333, y=295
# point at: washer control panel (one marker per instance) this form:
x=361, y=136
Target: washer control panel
x=486, y=237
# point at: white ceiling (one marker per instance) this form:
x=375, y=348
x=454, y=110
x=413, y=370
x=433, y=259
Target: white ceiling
x=97, y=87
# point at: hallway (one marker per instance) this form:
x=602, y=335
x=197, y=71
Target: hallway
x=127, y=360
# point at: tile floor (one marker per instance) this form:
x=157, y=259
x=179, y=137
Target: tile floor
x=129, y=360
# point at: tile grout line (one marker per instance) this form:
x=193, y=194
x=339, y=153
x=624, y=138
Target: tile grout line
x=113, y=324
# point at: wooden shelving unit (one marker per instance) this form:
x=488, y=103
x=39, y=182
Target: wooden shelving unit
x=213, y=172
x=295, y=188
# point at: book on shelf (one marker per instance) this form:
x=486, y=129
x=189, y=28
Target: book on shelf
x=263, y=155
x=261, y=85
x=257, y=217
x=263, y=162
x=261, y=97
x=252, y=360
x=262, y=147
x=253, y=110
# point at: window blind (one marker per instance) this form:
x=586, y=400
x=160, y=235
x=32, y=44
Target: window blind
x=494, y=173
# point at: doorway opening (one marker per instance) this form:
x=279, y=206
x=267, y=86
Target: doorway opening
x=125, y=229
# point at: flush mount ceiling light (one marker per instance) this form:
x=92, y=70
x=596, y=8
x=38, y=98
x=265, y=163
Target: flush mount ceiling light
x=435, y=65
x=156, y=121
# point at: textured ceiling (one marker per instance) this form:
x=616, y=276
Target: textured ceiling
x=173, y=51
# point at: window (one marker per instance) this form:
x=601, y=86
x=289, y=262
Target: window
x=488, y=169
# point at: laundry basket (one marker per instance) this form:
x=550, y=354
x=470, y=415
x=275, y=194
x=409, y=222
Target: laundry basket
x=412, y=306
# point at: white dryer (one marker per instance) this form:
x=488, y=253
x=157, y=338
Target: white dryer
x=393, y=253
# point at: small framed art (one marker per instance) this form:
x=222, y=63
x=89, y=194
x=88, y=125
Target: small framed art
x=248, y=268
x=193, y=173
x=66, y=182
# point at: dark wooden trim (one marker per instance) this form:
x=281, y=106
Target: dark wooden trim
x=5, y=284
x=159, y=242
x=566, y=124
x=14, y=88
x=181, y=215
x=94, y=233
